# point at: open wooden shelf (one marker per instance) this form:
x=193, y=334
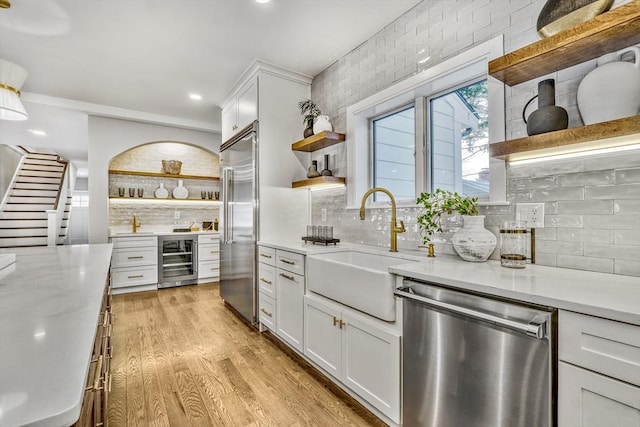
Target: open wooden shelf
x=615, y=133
x=319, y=181
x=608, y=32
x=316, y=142
x=163, y=175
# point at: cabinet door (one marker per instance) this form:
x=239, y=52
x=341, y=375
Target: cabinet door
x=229, y=113
x=247, y=104
x=322, y=342
x=589, y=399
x=289, y=295
x=371, y=364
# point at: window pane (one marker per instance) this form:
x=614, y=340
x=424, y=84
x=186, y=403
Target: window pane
x=394, y=155
x=459, y=135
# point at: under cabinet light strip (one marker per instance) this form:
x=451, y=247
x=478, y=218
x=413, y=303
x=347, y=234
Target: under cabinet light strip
x=125, y=201
x=576, y=154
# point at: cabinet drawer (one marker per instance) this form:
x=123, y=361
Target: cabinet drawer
x=134, y=276
x=290, y=261
x=131, y=257
x=586, y=398
x=208, y=238
x=267, y=279
x=267, y=255
x=606, y=346
x=134, y=242
x=267, y=312
x=208, y=269
x=208, y=252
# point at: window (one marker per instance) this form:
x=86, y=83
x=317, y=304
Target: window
x=394, y=151
x=80, y=199
x=459, y=141
x=452, y=111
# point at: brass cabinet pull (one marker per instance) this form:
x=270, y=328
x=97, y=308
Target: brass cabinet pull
x=213, y=268
x=268, y=282
x=265, y=312
x=286, y=261
x=342, y=323
x=266, y=256
x=293, y=279
x=135, y=257
x=335, y=320
x=214, y=252
x=137, y=276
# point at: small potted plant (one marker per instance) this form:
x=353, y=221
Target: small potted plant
x=310, y=111
x=473, y=242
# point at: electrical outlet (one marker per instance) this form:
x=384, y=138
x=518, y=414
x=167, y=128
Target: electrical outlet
x=532, y=213
x=176, y=214
x=324, y=214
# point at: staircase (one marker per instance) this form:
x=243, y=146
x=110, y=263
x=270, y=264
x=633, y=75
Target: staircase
x=36, y=189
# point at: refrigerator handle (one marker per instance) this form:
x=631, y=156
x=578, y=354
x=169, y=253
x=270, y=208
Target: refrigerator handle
x=227, y=174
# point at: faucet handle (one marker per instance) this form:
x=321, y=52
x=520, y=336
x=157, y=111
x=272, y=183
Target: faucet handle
x=401, y=228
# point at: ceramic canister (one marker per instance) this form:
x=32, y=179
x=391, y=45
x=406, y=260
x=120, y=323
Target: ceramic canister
x=612, y=90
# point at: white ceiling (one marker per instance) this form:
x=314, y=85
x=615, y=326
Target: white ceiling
x=148, y=55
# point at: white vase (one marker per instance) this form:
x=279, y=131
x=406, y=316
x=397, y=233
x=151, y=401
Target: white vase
x=180, y=192
x=322, y=124
x=612, y=90
x=474, y=242
x=162, y=193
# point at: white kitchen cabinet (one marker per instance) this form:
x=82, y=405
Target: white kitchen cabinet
x=267, y=288
x=599, y=371
x=241, y=110
x=589, y=399
x=357, y=351
x=289, y=297
x=134, y=264
x=208, y=258
x=323, y=336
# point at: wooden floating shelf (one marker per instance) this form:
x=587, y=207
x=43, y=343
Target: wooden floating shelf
x=316, y=142
x=319, y=181
x=615, y=133
x=163, y=175
x=608, y=32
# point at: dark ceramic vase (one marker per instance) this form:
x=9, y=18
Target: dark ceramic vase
x=308, y=131
x=548, y=117
x=326, y=171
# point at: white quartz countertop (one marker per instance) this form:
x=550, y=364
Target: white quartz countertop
x=50, y=302
x=611, y=296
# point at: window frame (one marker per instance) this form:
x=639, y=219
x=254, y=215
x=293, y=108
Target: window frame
x=469, y=65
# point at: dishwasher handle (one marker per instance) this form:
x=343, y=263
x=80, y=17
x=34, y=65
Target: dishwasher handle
x=536, y=328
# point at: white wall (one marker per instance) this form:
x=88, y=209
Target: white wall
x=110, y=137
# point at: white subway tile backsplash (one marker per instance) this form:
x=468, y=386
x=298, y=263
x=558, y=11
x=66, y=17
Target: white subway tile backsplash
x=604, y=265
x=630, y=268
x=588, y=200
x=603, y=207
x=618, y=252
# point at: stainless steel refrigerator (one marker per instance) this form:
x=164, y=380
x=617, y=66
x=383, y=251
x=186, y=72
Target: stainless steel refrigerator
x=238, y=166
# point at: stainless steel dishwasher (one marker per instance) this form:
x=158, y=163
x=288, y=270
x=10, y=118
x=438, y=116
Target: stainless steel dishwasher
x=470, y=360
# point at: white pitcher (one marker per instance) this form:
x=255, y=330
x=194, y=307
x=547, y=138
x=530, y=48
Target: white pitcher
x=612, y=90
x=322, y=124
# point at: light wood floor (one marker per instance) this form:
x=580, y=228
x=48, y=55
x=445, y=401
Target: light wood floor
x=181, y=358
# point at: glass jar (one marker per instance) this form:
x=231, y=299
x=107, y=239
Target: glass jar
x=513, y=244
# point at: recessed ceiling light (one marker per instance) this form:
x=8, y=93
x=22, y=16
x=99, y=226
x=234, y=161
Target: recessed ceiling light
x=37, y=132
x=195, y=96
x=263, y=1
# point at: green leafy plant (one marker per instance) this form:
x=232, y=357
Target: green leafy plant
x=310, y=111
x=442, y=202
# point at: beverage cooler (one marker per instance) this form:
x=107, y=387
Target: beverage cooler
x=177, y=260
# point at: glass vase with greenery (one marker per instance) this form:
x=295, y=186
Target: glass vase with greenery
x=439, y=203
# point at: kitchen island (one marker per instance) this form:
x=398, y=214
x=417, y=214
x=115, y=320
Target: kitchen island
x=50, y=306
